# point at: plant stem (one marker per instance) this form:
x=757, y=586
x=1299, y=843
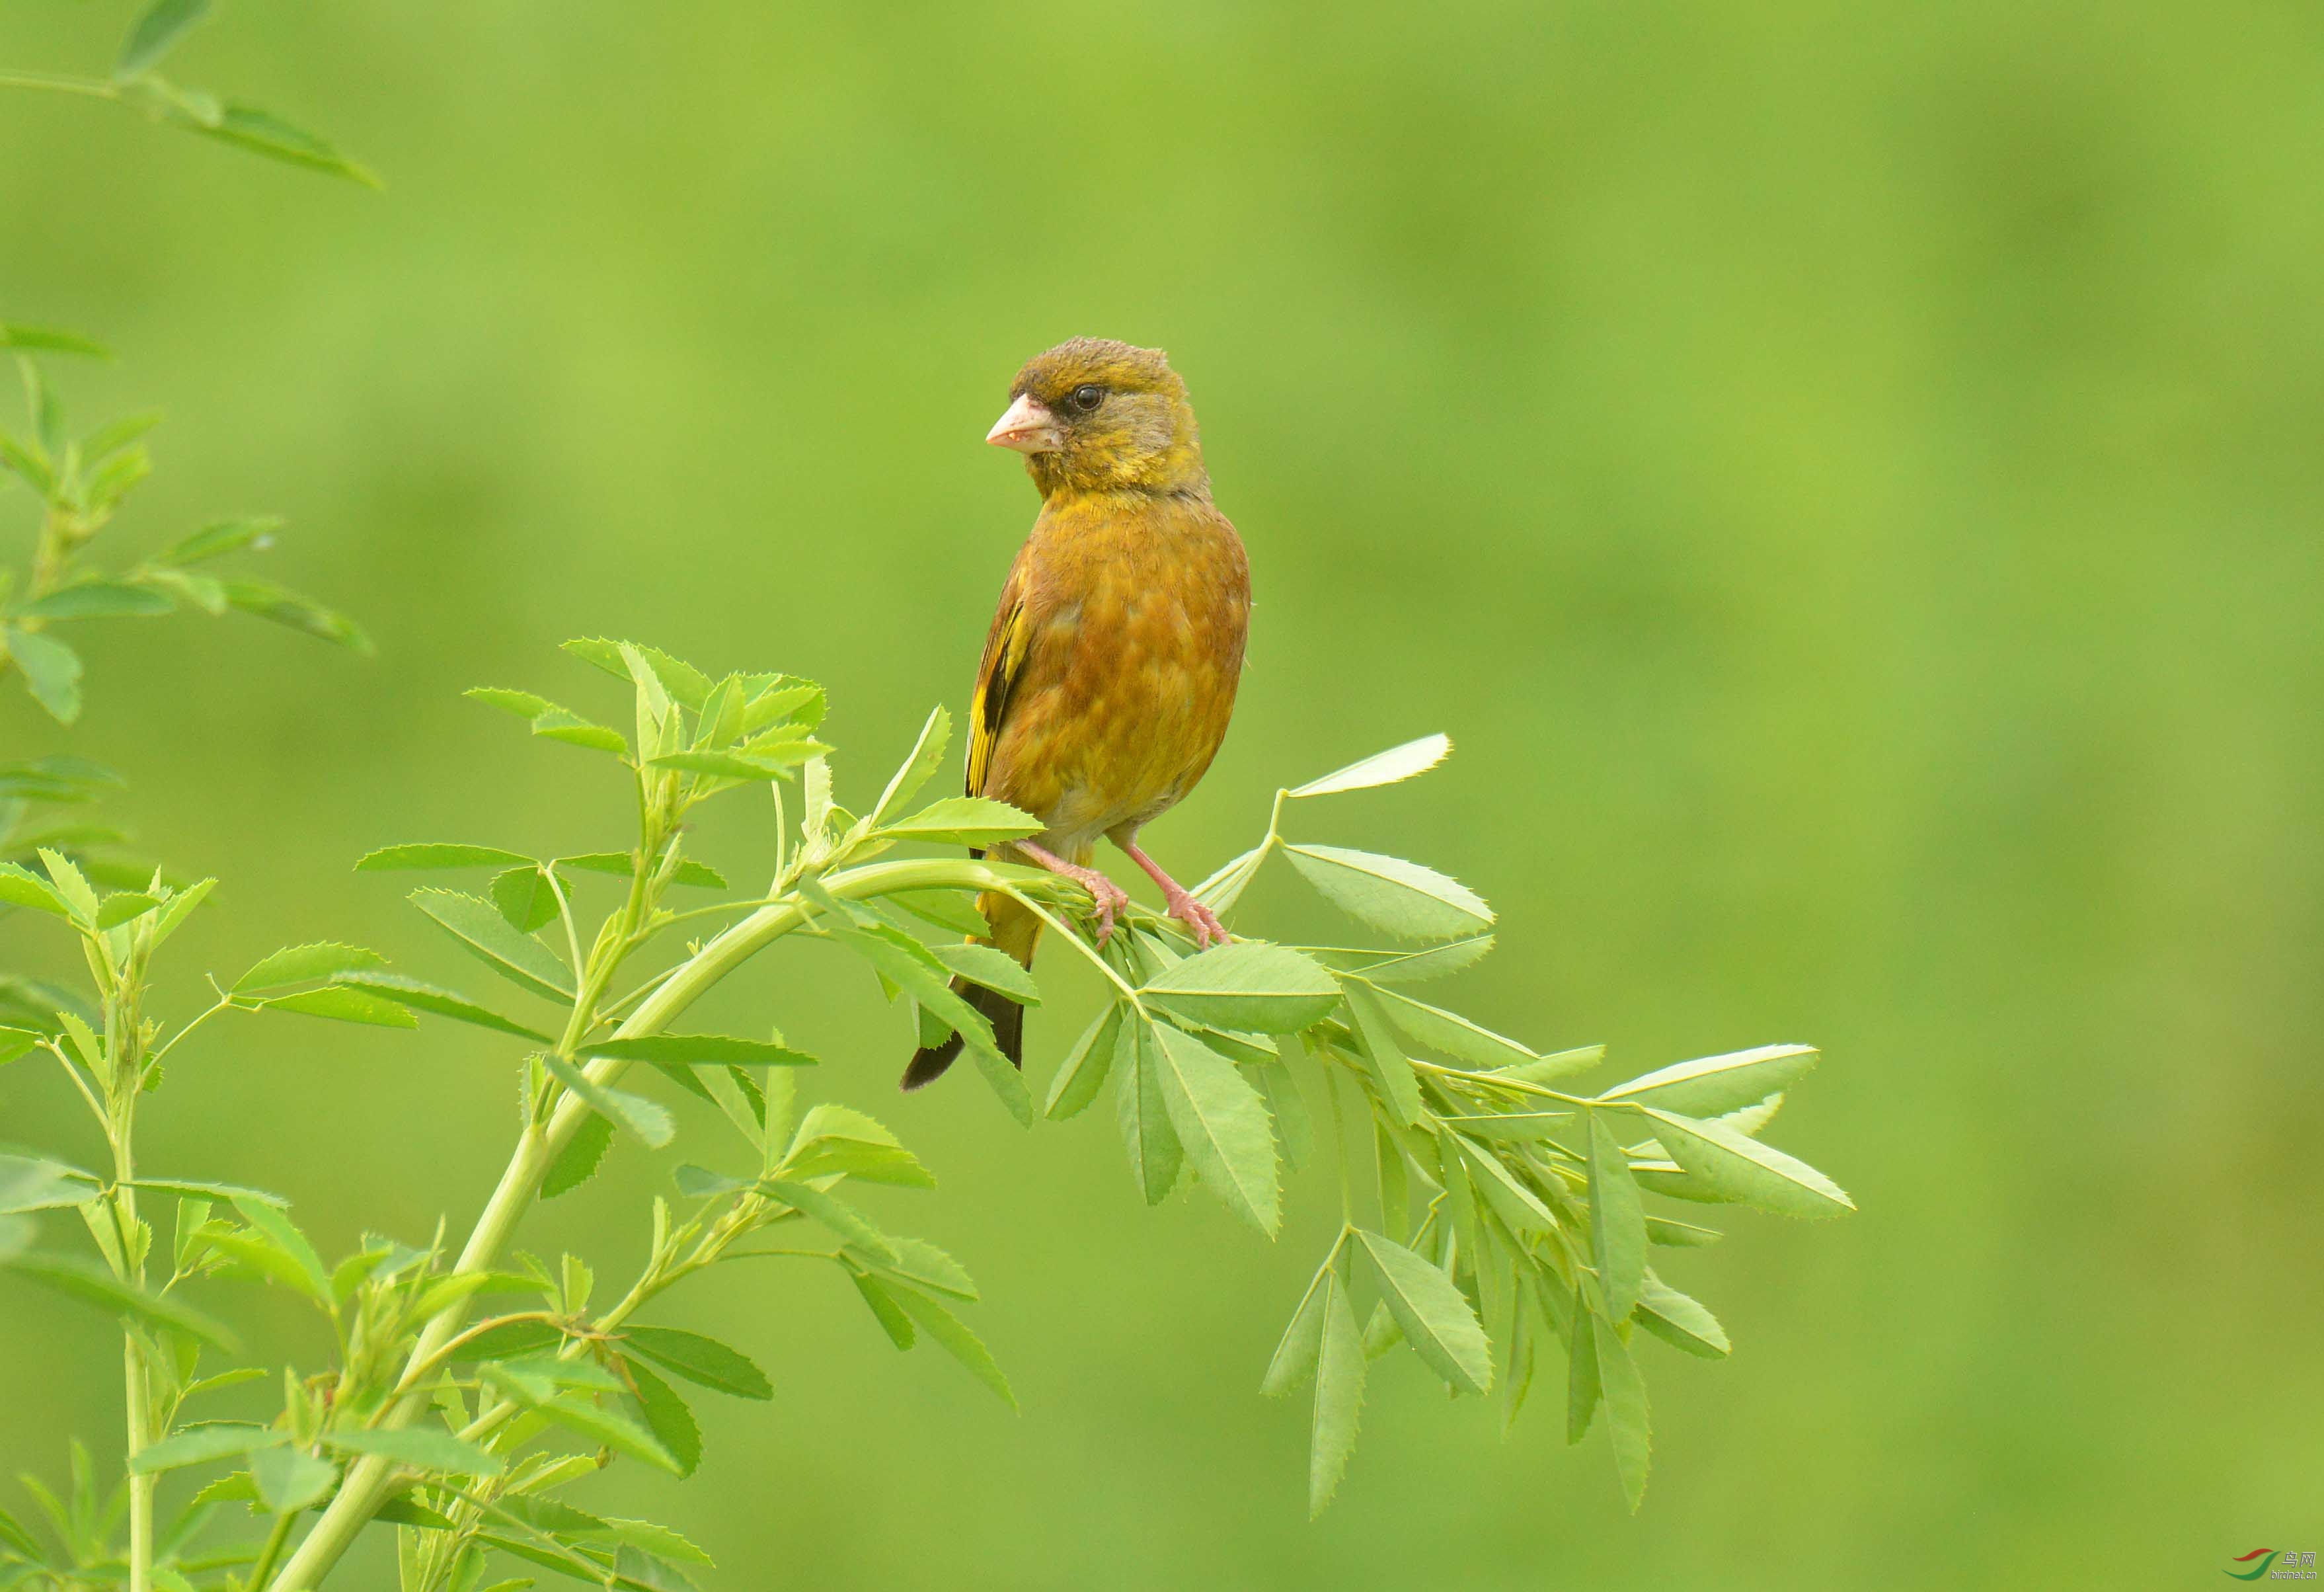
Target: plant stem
x=366, y=1483
x=90, y=88
x=137, y=1393
x=264, y=1565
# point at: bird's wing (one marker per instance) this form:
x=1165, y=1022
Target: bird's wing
x=1003, y=665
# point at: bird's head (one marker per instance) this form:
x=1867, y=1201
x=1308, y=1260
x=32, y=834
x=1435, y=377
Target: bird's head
x=1100, y=416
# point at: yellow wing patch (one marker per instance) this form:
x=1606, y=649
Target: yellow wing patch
x=1004, y=662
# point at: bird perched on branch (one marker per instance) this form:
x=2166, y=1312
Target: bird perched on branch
x=1110, y=671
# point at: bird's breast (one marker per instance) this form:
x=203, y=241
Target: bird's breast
x=1139, y=613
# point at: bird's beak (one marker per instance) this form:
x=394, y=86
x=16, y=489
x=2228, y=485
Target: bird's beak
x=1028, y=427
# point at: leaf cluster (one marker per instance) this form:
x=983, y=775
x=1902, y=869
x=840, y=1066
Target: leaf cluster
x=136, y=82
x=458, y=1393
x=80, y=481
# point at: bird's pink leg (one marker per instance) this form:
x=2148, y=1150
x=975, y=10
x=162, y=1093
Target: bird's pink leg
x=1109, y=896
x=1199, y=919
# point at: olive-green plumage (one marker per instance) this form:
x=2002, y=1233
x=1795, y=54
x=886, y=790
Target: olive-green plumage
x=1110, y=671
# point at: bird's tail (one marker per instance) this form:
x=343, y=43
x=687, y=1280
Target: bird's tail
x=1017, y=930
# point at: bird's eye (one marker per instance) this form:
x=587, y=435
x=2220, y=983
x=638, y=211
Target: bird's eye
x=1088, y=396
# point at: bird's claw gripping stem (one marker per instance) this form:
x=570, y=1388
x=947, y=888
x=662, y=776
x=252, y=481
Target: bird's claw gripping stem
x=1106, y=896
x=1200, y=922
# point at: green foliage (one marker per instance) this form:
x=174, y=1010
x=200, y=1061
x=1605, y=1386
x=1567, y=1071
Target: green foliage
x=1531, y=1213
x=462, y=1391
x=81, y=483
x=135, y=82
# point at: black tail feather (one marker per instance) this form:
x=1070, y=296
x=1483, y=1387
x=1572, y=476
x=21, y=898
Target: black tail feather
x=1006, y=1017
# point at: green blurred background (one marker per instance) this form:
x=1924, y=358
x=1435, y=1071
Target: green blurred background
x=1847, y=481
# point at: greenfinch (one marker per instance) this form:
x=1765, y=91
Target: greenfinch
x=1110, y=672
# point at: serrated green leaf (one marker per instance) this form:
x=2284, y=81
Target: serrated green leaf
x=914, y=970
x=697, y=1050
x=178, y=908
x=884, y=1309
x=441, y=1002
x=1449, y=1033
x=1294, y=1126
x=1247, y=985
x=343, y=1002
x=289, y=1481
x=1222, y=1124
x=1224, y=888
x=93, y=1284
x=1560, y=1064
x=117, y=910
x=994, y=969
x=418, y=1447
x=1339, y=1395
x=699, y=1360
x=733, y=765
x=656, y=1538
x=925, y=758
x=1405, y=967
x=1382, y=768
x=843, y=1220
x=618, y=1432
x=837, y=1139
x=70, y=885
x=1400, y=897
x=298, y=964
x=1085, y=1067
x=645, y=1118
x=946, y=909
x=1736, y=1167
x=525, y=898
x=1582, y=1379
x=557, y=724
x=1517, y=1206
x=269, y=1218
x=1680, y=1235
x=781, y=699
x=1155, y=1154
x=667, y=1417
x=1617, y=1221
x=1680, y=1322
x=1295, y=1354
x=479, y=926
x=922, y=1263
x=1436, y=1321
x=391, y=859
x=51, y=671
x=577, y=1161
x=200, y=1445
x=508, y=1340
x=204, y=1191
x=1625, y=1413
x=956, y=1340
x=20, y=886
x=1719, y=1084
x=1513, y=1127
x=524, y=704
x=1383, y=1058
x=965, y=820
